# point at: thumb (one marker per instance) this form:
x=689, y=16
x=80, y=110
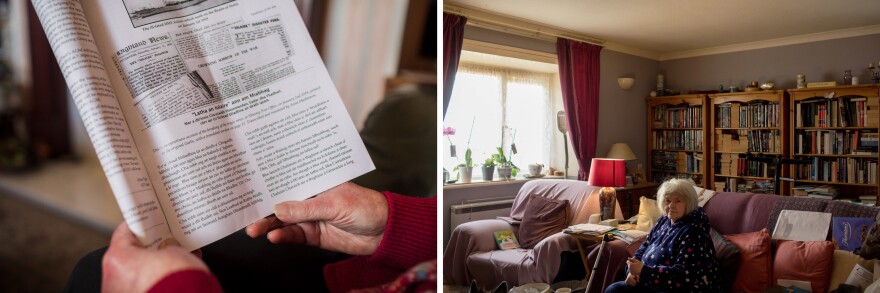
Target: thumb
x=168, y=242
x=310, y=210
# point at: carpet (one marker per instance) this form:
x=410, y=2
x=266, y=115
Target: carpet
x=38, y=248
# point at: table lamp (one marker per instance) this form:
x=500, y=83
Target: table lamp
x=607, y=173
x=622, y=151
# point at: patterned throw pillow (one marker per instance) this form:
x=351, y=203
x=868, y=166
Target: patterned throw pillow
x=727, y=255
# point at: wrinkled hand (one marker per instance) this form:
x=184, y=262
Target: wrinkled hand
x=632, y=280
x=635, y=266
x=347, y=218
x=129, y=267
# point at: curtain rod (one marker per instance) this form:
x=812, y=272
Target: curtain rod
x=482, y=19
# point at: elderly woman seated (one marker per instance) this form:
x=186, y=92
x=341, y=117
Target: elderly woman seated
x=678, y=255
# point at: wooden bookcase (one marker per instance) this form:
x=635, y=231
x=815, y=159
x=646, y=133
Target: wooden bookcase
x=677, y=138
x=749, y=133
x=831, y=127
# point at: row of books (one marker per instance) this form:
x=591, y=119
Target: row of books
x=837, y=142
x=688, y=116
x=844, y=170
x=734, y=165
x=660, y=176
x=764, y=186
x=842, y=112
x=677, y=140
x=676, y=161
x=754, y=114
x=743, y=140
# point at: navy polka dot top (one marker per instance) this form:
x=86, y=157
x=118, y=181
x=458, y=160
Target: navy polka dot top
x=680, y=257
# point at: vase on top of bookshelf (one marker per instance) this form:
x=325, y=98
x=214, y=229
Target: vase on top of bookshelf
x=676, y=138
x=748, y=136
x=835, y=132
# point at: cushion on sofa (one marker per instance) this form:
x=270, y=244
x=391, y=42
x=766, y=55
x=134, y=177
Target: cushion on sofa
x=728, y=256
x=543, y=217
x=755, y=262
x=649, y=213
x=843, y=263
x=805, y=261
x=871, y=244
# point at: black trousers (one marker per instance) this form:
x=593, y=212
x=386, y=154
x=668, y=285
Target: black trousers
x=240, y=263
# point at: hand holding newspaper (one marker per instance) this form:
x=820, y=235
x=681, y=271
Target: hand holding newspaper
x=203, y=113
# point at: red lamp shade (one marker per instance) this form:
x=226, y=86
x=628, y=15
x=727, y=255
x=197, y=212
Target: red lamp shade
x=607, y=173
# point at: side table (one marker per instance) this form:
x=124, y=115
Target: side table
x=584, y=237
x=628, y=197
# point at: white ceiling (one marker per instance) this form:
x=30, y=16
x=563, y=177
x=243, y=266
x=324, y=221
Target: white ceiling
x=689, y=27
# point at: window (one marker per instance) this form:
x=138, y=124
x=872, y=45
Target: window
x=496, y=107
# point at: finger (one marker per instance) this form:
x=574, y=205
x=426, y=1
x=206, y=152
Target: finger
x=263, y=226
x=320, y=208
x=123, y=237
x=197, y=253
x=287, y=234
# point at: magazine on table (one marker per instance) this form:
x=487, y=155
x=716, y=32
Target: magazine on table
x=204, y=114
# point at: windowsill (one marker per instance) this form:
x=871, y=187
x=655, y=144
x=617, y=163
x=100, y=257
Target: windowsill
x=78, y=191
x=481, y=183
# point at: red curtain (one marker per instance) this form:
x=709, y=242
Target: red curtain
x=453, y=36
x=47, y=101
x=579, y=77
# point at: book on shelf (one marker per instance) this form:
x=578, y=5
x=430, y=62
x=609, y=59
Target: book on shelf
x=506, y=240
x=203, y=123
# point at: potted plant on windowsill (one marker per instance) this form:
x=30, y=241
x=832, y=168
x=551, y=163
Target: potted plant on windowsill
x=489, y=168
x=506, y=168
x=465, y=170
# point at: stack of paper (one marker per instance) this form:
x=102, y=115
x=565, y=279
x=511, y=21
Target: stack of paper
x=629, y=236
x=588, y=229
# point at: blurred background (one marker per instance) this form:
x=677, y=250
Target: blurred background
x=55, y=203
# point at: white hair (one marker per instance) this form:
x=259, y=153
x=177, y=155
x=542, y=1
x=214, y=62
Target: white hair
x=680, y=187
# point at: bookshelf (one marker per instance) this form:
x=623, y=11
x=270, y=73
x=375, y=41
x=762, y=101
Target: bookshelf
x=835, y=129
x=677, y=138
x=749, y=130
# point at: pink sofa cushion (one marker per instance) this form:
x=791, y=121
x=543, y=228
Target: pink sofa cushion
x=805, y=261
x=755, y=261
x=543, y=217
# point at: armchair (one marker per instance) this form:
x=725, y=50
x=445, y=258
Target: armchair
x=471, y=253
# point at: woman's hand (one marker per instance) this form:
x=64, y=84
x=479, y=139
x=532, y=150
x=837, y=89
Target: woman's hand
x=635, y=266
x=129, y=267
x=632, y=280
x=347, y=218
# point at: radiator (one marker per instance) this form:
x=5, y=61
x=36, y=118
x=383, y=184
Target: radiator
x=472, y=211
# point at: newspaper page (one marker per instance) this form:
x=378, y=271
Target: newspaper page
x=230, y=106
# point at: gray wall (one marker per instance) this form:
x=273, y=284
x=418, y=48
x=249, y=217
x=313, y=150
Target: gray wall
x=819, y=61
x=622, y=112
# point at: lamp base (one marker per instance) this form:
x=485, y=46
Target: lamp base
x=607, y=202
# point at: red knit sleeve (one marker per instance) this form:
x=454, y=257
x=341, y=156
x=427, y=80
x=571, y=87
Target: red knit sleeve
x=411, y=232
x=187, y=281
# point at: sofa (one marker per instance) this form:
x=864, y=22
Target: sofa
x=729, y=213
x=472, y=253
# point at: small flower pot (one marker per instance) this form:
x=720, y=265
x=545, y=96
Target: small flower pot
x=504, y=172
x=465, y=174
x=488, y=173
